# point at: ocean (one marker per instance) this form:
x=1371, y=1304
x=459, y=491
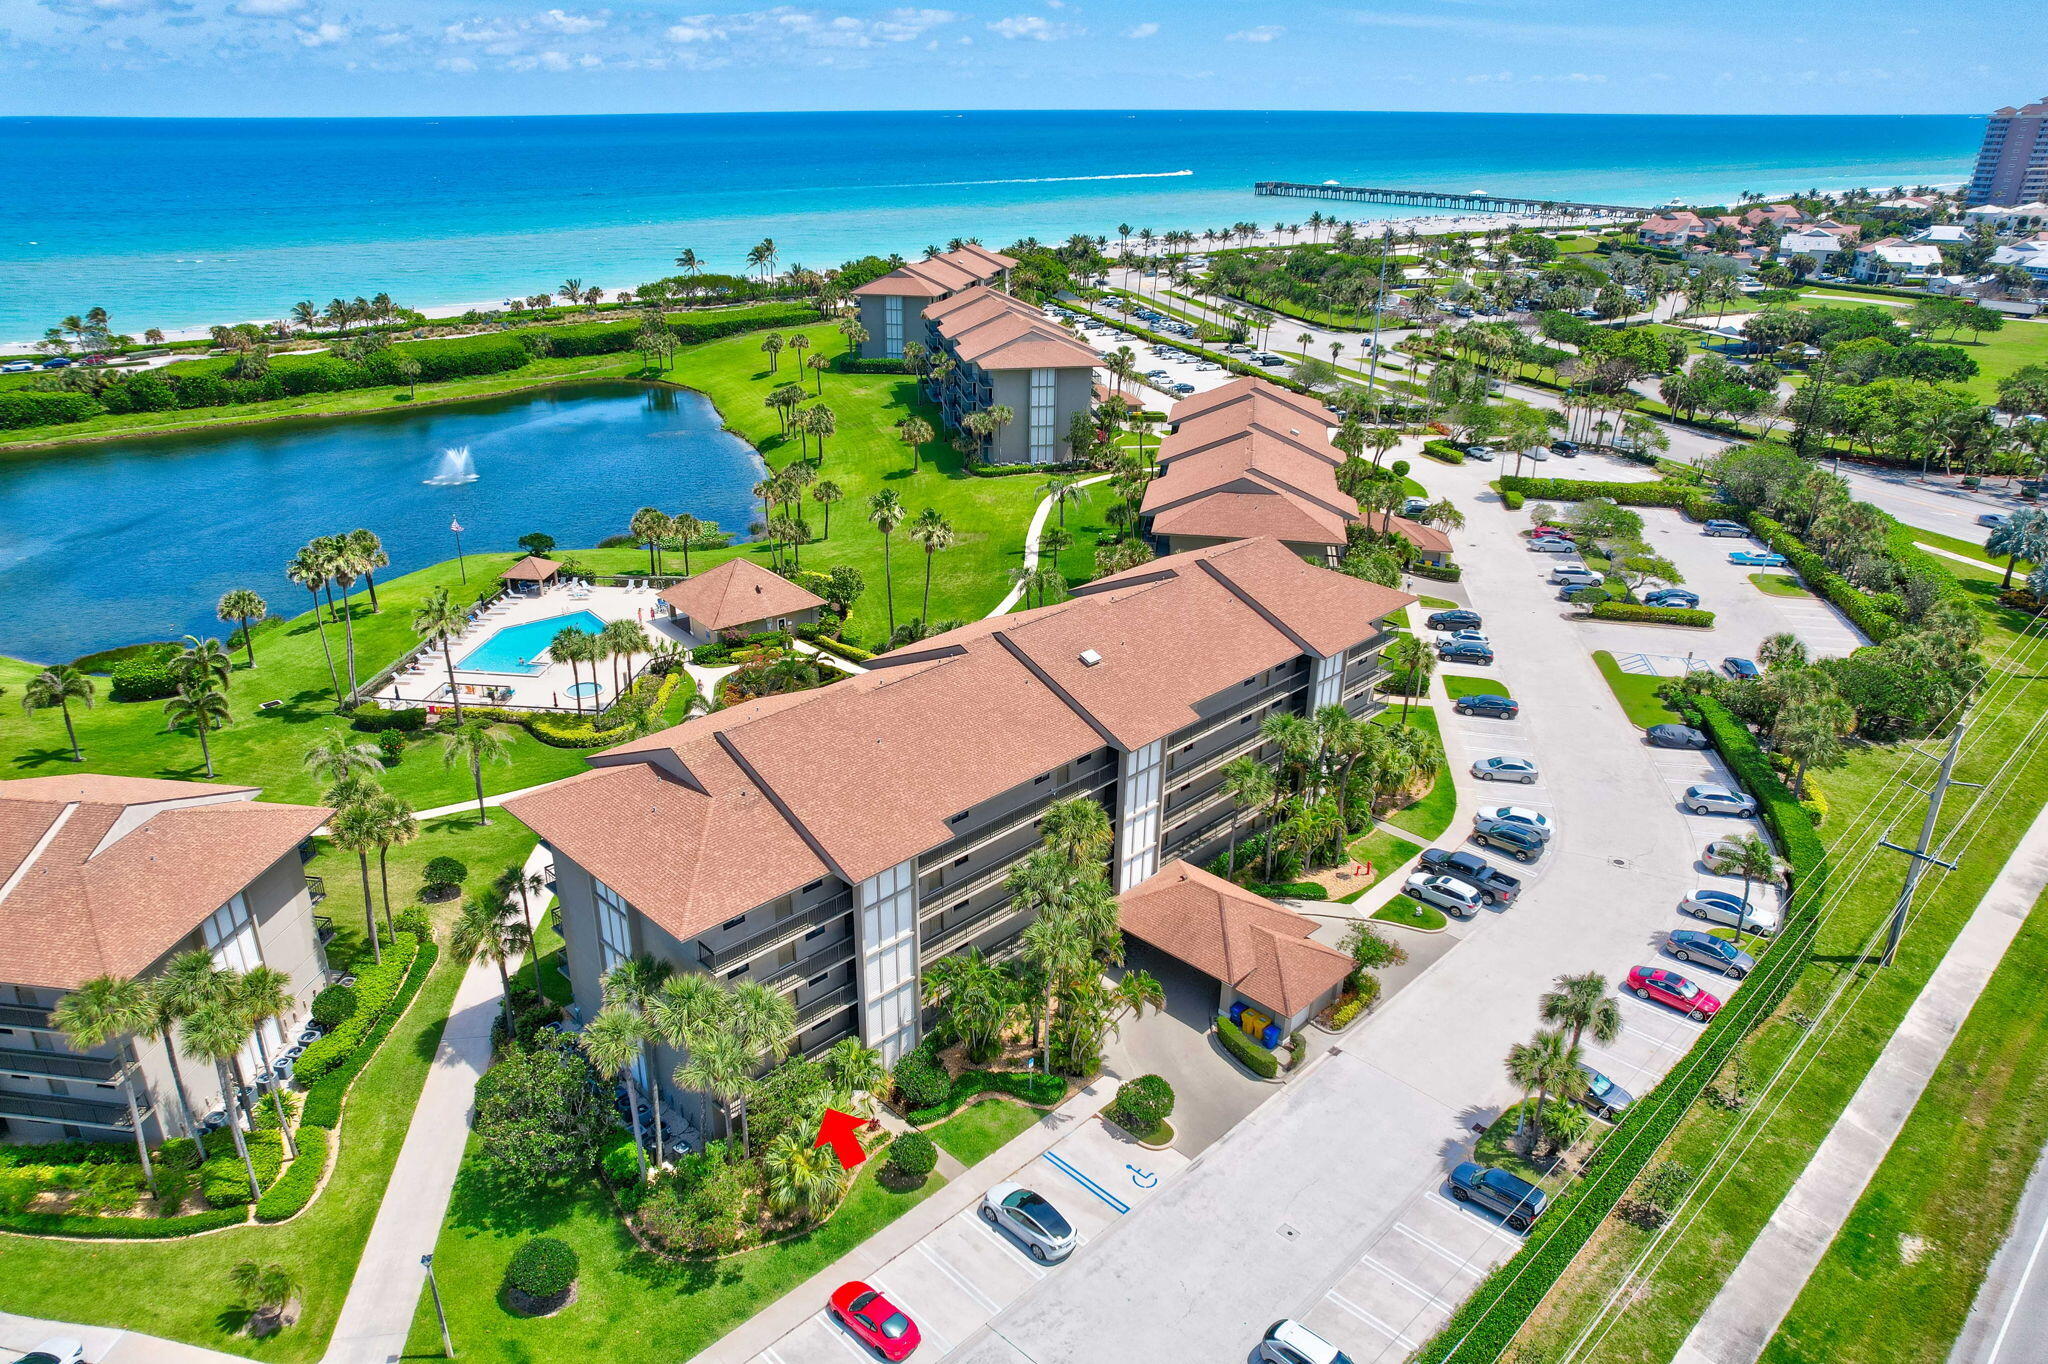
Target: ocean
x=176, y=223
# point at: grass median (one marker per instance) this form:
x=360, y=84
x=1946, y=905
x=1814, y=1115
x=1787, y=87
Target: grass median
x=1637, y=693
x=975, y=1133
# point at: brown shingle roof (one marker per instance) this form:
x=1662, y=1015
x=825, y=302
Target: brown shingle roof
x=532, y=569
x=1260, y=949
x=738, y=592
x=1252, y=389
x=988, y=328
x=1426, y=538
x=940, y=275
x=104, y=875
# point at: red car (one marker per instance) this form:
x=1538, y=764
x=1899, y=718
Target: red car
x=1668, y=987
x=1555, y=532
x=878, y=1323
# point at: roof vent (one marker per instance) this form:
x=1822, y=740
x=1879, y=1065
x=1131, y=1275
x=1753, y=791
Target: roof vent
x=1089, y=658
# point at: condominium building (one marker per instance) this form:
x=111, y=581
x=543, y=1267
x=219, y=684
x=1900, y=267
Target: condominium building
x=2012, y=164
x=892, y=307
x=831, y=844
x=1006, y=353
x=114, y=876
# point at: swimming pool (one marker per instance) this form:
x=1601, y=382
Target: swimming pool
x=518, y=648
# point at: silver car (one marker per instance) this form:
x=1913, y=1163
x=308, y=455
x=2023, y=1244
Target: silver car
x=1710, y=799
x=1522, y=770
x=1026, y=1215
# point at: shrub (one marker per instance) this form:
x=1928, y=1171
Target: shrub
x=143, y=679
x=376, y=986
x=1290, y=890
x=122, y=1228
x=1511, y=499
x=1141, y=1105
x=1443, y=451
x=414, y=920
x=853, y=364
x=1032, y=1086
x=1400, y=468
x=1653, y=615
x=620, y=1162
x=224, y=1180
x=444, y=876
x=28, y=407
x=1443, y=573
x=391, y=744
x=372, y=718
x=1260, y=1061
x=301, y=1178
x=912, y=1156
x=920, y=1083
x=1367, y=993
x=334, y=1004
x=323, y=1100
x=542, y=1268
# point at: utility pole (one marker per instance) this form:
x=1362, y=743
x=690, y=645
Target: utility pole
x=447, y=1345
x=1919, y=854
x=1373, y=370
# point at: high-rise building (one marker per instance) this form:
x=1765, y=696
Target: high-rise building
x=2012, y=165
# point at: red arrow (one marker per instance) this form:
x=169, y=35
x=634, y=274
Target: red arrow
x=838, y=1130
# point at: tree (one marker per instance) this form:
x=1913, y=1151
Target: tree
x=109, y=1010
x=202, y=708
x=650, y=525
x=475, y=742
x=1409, y=659
x=802, y=1176
x=203, y=664
x=59, y=686
x=1547, y=1063
x=614, y=1041
x=489, y=930
x=336, y=758
x=266, y=1289
x=914, y=432
x=537, y=543
x=974, y=997
x=216, y=1030
x=825, y=492
x=858, y=1073
x=1251, y=787
x=1808, y=732
x=1782, y=650
x=439, y=620
x=761, y=1022
x=2022, y=535
x=265, y=995
x=934, y=533
x=1751, y=858
x=885, y=510
x=541, y=1117
x=239, y=606
x=309, y=570
x=355, y=827
x=1582, y=1004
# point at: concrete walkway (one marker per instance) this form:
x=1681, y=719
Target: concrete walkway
x=103, y=1344
x=1016, y=592
x=1747, y=1311
x=385, y=1292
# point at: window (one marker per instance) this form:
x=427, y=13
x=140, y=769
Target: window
x=231, y=937
x=817, y=932
x=1044, y=410
x=1041, y=778
x=731, y=924
x=614, y=940
x=739, y=970
x=892, y=328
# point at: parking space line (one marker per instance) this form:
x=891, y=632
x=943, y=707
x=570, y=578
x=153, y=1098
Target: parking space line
x=844, y=1335
x=924, y=1319
x=1060, y=1164
x=1392, y=1333
x=986, y=1230
x=770, y=1355
x=1427, y=1244
x=1394, y=1278
x=966, y=1285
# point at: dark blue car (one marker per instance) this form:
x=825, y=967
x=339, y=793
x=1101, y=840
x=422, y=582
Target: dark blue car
x=1740, y=668
x=1689, y=944
x=1501, y=707
x=1458, y=619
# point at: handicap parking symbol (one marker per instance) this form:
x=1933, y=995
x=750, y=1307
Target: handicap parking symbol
x=1144, y=1179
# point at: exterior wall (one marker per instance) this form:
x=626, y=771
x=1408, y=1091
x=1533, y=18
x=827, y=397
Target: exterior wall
x=886, y=929
x=2012, y=164
x=36, y=1063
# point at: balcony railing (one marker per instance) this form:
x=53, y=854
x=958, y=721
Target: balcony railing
x=713, y=960
x=24, y=1016
x=49, y=1108
x=809, y=964
x=65, y=1065
x=811, y=1011
x=949, y=937
x=323, y=929
x=316, y=886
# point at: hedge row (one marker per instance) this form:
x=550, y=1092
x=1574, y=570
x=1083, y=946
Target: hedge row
x=120, y=1228
x=323, y=1100
x=1654, y=615
x=1034, y=1087
x=143, y=679
x=224, y=1180
x=1261, y=1061
x=851, y=652
x=1443, y=573
x=376, y=987
x=1443, y=451
x=1292, y=890
x=1818, y=577
x=1485, y=1325
x=1694, y=502
x=877, y=364
x=28, y=407
x=295, y=1188
x=559, y=730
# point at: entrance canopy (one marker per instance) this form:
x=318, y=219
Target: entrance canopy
x=1257, y=948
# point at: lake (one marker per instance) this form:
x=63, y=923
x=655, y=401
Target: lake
x=108, y=544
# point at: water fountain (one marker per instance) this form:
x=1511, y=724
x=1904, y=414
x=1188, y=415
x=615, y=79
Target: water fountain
x=457, y=466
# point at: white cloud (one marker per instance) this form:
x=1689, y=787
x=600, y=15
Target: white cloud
x=460, y=65
x=478, y=31
x=1033, y=26
x=267, y=6
x=564, y=22
x=695, y=30
x=1141, y=30
x=1264, y=33
x=323, y=35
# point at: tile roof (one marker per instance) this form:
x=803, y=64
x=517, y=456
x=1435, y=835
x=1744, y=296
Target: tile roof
x=1428, y=539
x=1261, y=393
x=1260, y=949
x=738, y=592
x=104, y=875
x=532, y=569
x=988, y=328
x=940, y=275
x=722, y=813
x=1258, y=462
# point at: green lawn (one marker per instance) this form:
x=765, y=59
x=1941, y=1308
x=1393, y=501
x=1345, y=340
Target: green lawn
x=1437, y=603
x=1970, y=549
x=1473, y=684
x=1779, y=585
x=632, y=1306
x=1637, y=693
x=547, y=960
x=1431, y=815
x=1500, y=1146
x=1900, y=1276
x=976, y=1132
x=1410, y=914
x=1384, y=851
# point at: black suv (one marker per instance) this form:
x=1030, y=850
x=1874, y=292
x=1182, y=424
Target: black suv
x=1518, y=1202
x=1495, y=887
x=1460, y=619
x=1518, y=840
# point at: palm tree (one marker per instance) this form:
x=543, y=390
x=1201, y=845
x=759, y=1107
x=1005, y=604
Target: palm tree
x=335, y=759
x=763, y=1023
x=1751, y=858
x=1581, y=1003
x=204, y=663
x=240, y=606
x=216, y=1031
x=396, y=827
x=1250, y=784
x=1410, y=659
x=718, y=1065
x=367, y=551
x=934, y=532
x=1054, y=945
x=475, y=742
x=487, y=929
x=265, y=995
x=342, y=571
x=613, y=1041
x=308, y=571
x=268, y=1289
x=650, y=526
x=2022, y=535
x=679, y=1014
x=975, y=997
x=885, y=510
x=1078, y=830
x=109, y=1009
x=634, y=985
x=684, y=528
x=858, y=1073
x=440, y=620
x=772, y=344
x=184, y=984
x=914, y=432
x=623, y=639
x=59, y=686
x=205, y=710
x=825, y=492
x=356, y=828
x=802, y=1176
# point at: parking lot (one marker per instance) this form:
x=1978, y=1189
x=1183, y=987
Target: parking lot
x=1181, y=367
x=953, y=1280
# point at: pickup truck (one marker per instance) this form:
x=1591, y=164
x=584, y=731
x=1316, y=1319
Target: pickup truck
x=1496, y=887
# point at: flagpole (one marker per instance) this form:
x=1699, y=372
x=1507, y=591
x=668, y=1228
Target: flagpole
x=461, y=562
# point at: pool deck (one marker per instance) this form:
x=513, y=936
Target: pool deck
x=426, y=681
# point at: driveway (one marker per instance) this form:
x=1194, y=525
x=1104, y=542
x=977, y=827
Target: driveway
x=1212, y=1093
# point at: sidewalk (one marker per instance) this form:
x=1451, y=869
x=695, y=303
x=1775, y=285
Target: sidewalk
x=385, y=1292
x=1747, y=1311
x=103, y=1344
x=1038, y=518
x=801, y=1303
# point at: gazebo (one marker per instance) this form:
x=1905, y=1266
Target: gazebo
x=532, y=569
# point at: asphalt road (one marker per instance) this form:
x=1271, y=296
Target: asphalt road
x=2009, y=1323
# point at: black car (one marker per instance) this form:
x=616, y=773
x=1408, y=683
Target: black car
x=1523, y=842
x=1464, y=651
x=1496, y=887
x=1674, y=736
x=1503, y=707
x=1564, y=447
x=1459, y=619
x=1516, y=1200
x=1741, y=668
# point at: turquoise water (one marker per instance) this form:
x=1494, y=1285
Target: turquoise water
x=180, y=222
x=518, y=648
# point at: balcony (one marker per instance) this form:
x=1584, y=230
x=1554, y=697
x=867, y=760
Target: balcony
x=24, y=1016
x=811, y=1011
x=316, y=886
x=49, y=1108
x=65, y=1065
x=809, y=964
x=323, y=929
x=951, y=935
x=837, y=907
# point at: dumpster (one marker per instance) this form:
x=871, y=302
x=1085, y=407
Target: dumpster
x=1259, y=1026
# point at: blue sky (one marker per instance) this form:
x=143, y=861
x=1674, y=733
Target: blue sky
x=339, y=57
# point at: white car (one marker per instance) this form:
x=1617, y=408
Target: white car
x=1552, y=544
x=57, y=1350
x=1709, y=799
x=18, y=367
x=1471, y=636
x=1720, y=857
x=1522, y=770
x=1725, y=907
x=1289, y=1342
x=1447, y=893
x=1518, y=814
x=1026, y=1214
x=1575, y=575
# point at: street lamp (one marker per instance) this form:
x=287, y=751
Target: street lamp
x=447, y=1345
